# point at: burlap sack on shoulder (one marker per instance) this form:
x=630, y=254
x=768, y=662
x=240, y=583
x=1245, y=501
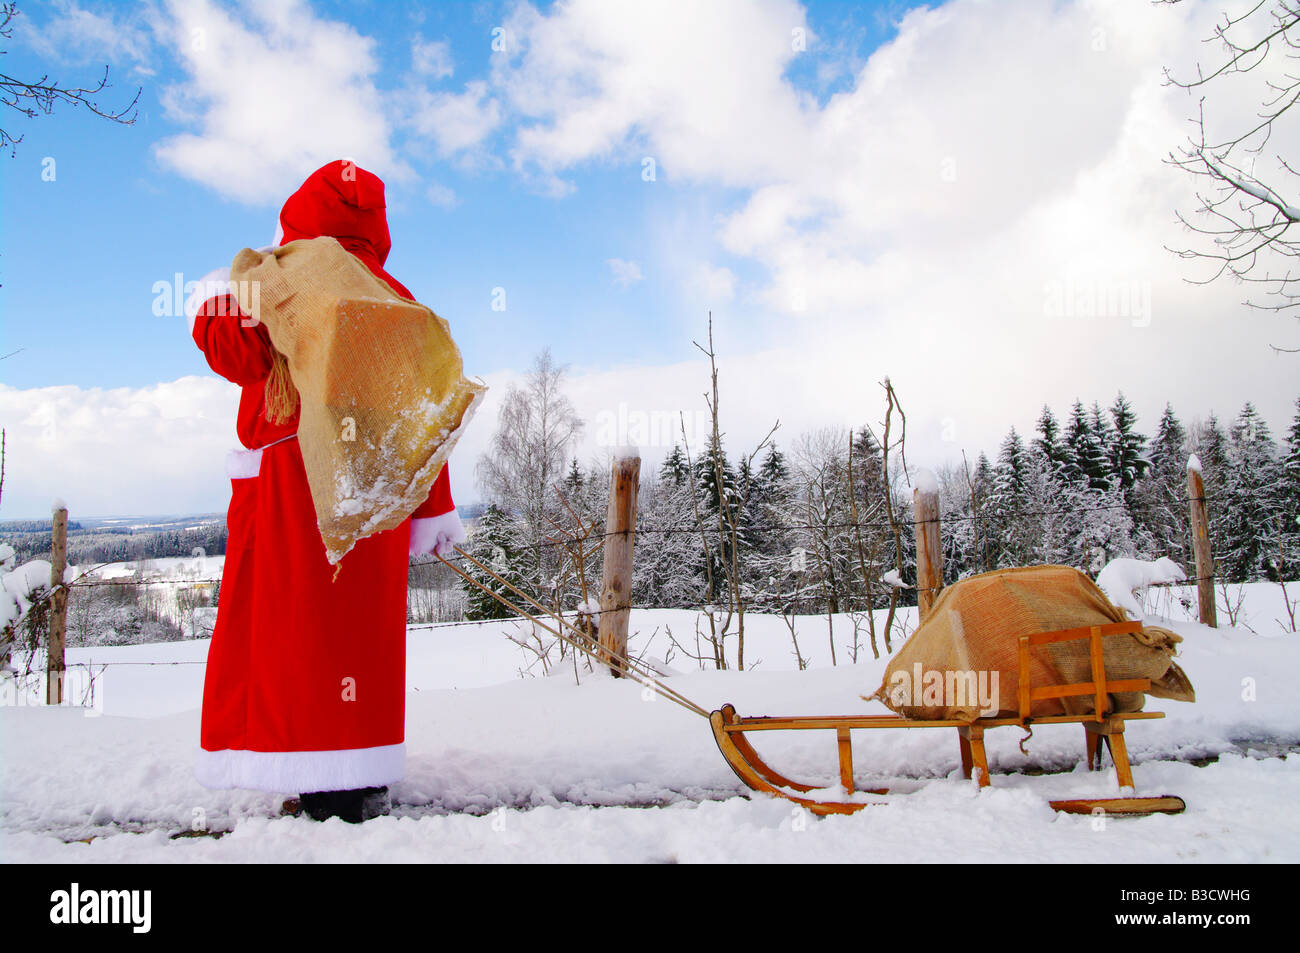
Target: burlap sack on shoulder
x=975, y=627
x=380, y=381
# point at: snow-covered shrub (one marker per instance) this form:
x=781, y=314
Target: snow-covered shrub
x=24, y=604
x=118, y=614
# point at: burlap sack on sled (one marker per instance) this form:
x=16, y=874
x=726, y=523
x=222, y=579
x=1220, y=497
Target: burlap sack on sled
x=976, y=624
x=380, y=381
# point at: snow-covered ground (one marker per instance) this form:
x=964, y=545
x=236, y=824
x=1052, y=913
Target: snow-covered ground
x=552, y=768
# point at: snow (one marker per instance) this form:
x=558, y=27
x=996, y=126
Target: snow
x=892, y=578
x=924, y=481
x=597, y=769
x=1121, y=578
x=1194, y=463
x=58, y=504
x=18, y=586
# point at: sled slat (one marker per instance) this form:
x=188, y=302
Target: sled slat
x=1087, y=688
x=1069, y=635
x=1164, y=804
x=835, y=722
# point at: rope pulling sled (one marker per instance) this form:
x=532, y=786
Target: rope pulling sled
x=1102, y=730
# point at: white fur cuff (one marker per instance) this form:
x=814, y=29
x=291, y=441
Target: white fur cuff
x=436, y=533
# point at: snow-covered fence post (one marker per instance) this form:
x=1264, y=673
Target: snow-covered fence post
x=54, y=666
x=1201, y=543
x=929, y=555
x=616, y=574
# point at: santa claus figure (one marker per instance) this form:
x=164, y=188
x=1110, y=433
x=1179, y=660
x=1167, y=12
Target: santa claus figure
x=306, y=674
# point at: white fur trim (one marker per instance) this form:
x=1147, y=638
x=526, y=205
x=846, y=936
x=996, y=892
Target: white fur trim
x=279, y=234
x=243, y=464
x=436, y=532
x=215, y=282
x=300, y=772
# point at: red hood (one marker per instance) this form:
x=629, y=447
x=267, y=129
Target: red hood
x=346, y=202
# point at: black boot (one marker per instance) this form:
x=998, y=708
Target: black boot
x=354, y=806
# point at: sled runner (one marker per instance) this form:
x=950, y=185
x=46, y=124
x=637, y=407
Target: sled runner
x=1101, y=730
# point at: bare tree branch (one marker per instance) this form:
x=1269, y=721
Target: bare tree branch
x=33, y=99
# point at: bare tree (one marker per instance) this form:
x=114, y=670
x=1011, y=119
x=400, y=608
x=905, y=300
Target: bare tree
x=895, y=524
x=1247, y=201
x=731, y=504
x=40, y=97
x=536, y=427
x=826, y=505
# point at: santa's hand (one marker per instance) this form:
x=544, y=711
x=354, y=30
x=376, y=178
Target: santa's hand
x=437, y=534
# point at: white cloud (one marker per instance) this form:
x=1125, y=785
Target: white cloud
x=431, y=59
x=625, y=272
x=697, y=85
x=260, y=80
x=74, y=33
x=456, y=122
x=442, y=196
x=713, y=283
x=147, y=450
x=917, y=223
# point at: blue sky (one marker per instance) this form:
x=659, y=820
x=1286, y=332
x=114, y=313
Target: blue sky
x=126, y=219
x=853, y=190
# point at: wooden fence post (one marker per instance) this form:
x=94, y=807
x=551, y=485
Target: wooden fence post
x=1201, y=543
x=54, y=666
x=616, y=574
x=929, y=555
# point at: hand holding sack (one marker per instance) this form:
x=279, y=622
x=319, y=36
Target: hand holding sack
x=380, y=381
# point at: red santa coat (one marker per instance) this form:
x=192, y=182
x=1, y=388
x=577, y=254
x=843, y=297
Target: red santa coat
x=306, y=674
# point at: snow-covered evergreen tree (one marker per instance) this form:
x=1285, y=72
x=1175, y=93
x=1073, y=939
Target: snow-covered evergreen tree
x=1049, y=443
x=1096, y=461
x=1289, y=500
x=1126, y=448
x=1011, y=531
x=669, y=553
x=1079, y=445
x=981, y=517
x=674, y=467
x=492, y=543
x=1209, y=444
x=1251, y=489
x=1159, y=499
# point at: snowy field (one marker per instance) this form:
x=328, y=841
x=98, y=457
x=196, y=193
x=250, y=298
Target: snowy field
x=503, y=768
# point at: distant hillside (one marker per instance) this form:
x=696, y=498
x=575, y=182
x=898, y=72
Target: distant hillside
x=118, y=539
x=126, y=538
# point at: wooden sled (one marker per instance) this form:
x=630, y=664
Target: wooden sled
x=1100, y=730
